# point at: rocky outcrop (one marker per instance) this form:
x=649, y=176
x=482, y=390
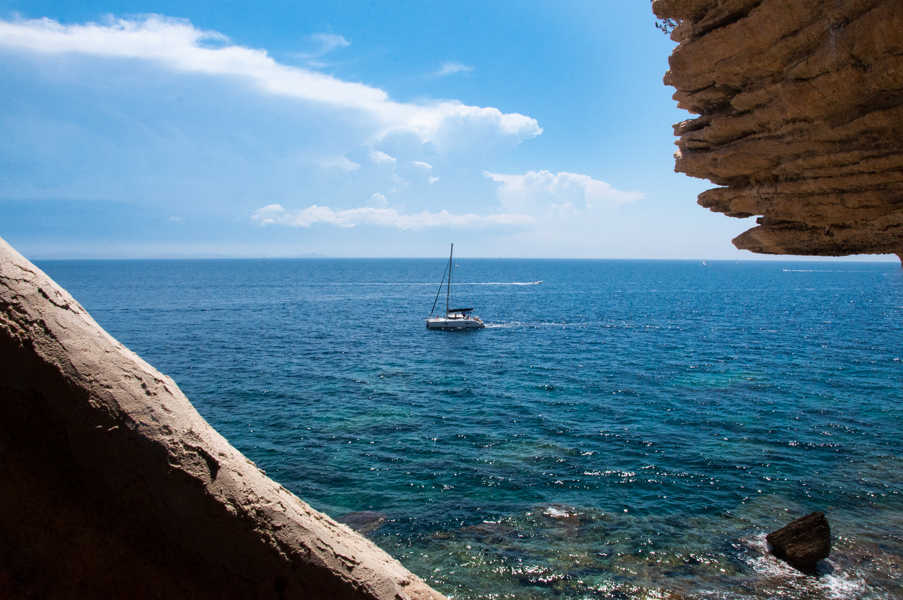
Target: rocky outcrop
x=113, y=486
x=803, y=542
x=800, y=106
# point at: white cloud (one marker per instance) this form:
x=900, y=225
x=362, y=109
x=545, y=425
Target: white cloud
x=428, y=168
x=179, y=46
x=450, y=68
x=377, y=200
x=275, y=214
x=564, y=193
x=381, y=157
x=269, y=214
x=535, y=199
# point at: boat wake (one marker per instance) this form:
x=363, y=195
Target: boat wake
x=502, y=283
x=819, y=271
x=358, y=284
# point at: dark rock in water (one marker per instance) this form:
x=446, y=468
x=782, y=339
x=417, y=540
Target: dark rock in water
x=803, y=542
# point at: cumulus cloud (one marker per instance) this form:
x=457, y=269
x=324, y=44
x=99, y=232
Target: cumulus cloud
x=564, y=193
x=450, y=68
x=275, y=214
x=533, y=200
x=378, y=200
x=181, y=47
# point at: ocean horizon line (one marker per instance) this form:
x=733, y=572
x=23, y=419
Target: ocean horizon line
x=880, y=258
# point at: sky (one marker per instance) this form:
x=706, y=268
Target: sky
x=155, y=128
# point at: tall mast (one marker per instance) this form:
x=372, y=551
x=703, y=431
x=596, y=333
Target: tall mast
x=448, y=287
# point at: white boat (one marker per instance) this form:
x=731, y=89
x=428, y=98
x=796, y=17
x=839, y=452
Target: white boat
x=455, y=318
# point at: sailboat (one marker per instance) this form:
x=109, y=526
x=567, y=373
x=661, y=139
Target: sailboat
x=455, y=318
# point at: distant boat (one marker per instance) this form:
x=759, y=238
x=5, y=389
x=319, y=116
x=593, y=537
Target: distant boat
x=703, y=263
x=455, y=318
x=536, y=282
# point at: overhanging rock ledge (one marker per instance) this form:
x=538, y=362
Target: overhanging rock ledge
x=800, y=106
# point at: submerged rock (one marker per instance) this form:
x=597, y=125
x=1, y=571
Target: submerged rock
x=113, y=486
x=364, y=522
x=803, y=542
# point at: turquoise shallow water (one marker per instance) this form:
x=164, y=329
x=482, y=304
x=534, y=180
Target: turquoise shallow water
x=624, y=429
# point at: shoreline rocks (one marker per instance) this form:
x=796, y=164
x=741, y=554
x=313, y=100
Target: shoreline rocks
x=114, y=486
x=803, y=542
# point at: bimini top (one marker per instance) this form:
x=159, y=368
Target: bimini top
x=460, y=310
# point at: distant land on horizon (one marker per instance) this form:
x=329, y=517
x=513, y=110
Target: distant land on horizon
x=207, y=256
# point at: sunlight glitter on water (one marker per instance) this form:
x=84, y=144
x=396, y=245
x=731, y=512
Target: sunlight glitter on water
x=625, y=429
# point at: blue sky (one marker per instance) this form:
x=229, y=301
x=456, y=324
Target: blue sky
x=351, y=129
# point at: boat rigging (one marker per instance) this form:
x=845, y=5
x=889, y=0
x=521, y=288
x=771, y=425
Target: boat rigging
x=455, y=318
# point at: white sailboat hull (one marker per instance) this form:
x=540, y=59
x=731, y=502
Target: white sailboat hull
x=455, y=318
x=453, y=322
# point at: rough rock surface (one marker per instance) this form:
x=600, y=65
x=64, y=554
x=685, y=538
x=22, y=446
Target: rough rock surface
x=113, y=486
x=801, y=118
x=803, y=542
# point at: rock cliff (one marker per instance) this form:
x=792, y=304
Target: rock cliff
x=113, y=486
x=800, y=106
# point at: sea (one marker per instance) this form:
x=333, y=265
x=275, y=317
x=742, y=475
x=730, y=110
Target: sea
x=624, y=429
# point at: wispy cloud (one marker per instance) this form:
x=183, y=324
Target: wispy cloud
x=428, y=168
x=564, y=193
x=342, y=162
x=274, y=214
x=450, y=68
x=381, y=157
x=178, y=45
x=326, y=42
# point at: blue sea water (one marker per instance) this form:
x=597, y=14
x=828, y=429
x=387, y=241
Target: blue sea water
x=626, y=429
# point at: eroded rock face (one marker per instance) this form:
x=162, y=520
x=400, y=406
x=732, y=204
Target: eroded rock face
x=113, y=486
x=801, y=119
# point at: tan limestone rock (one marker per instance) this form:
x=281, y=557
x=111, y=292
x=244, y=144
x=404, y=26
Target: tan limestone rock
x=113, y=486
x=801, y=118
